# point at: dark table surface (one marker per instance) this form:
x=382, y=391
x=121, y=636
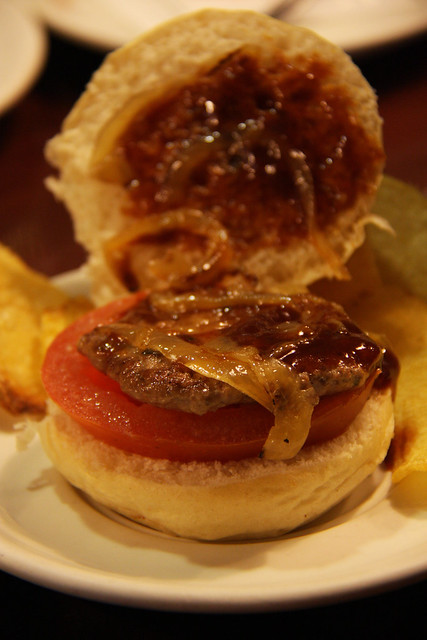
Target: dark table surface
x=38, y=229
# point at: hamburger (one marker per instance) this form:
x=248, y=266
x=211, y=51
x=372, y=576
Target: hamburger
x=215, y=168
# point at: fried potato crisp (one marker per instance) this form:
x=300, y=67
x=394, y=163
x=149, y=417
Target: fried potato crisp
x=402, y=316
x=402, y=258
x=32, y=312
x=387, y=296
x=402, y=319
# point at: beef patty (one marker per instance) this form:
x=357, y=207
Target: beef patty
x=312, y=336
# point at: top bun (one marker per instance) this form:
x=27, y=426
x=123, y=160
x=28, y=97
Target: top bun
x=329, y=146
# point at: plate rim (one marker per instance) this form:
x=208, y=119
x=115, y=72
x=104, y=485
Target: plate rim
x=56, y=22
x=111, y=588
x=35, y=59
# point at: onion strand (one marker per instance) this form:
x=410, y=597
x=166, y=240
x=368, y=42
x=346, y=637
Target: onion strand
x=267, y=381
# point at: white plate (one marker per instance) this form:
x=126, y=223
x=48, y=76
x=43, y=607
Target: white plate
x=353, y=24
x=50, y=535
x=23, y=47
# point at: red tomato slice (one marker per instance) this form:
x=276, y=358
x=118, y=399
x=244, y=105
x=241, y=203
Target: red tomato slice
x=98, y=404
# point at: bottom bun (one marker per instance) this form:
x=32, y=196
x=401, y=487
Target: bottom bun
x=244, y=500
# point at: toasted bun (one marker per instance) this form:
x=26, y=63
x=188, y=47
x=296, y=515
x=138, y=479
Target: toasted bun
x=246, y=500
x=167, y=58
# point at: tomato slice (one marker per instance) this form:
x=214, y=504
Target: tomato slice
x=232, y=433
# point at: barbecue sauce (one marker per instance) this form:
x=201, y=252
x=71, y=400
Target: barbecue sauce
x=257, y=145
x=305, y=332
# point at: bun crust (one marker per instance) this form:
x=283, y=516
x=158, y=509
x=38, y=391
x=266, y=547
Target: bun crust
x=165, y=58
x=245, y=500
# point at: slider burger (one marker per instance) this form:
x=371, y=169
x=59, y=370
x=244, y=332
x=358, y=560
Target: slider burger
x=214, y=168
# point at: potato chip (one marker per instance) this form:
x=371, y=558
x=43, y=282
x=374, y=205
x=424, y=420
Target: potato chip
x=387, y=296
x=402, y=263
x=402, y=319
x=32, y=312
x=401, y=258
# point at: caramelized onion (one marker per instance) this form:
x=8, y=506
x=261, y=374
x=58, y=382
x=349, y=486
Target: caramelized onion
x=206, y=300
x=303, y=181
x=205, y=310
x=176, y=249
x=108, y=161
x=266, y=380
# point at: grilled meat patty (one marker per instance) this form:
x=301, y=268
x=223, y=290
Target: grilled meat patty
x=314, y=337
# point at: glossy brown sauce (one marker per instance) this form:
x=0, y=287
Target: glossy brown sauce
x=239, y=140
x=307, y=333
x=389, y=372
